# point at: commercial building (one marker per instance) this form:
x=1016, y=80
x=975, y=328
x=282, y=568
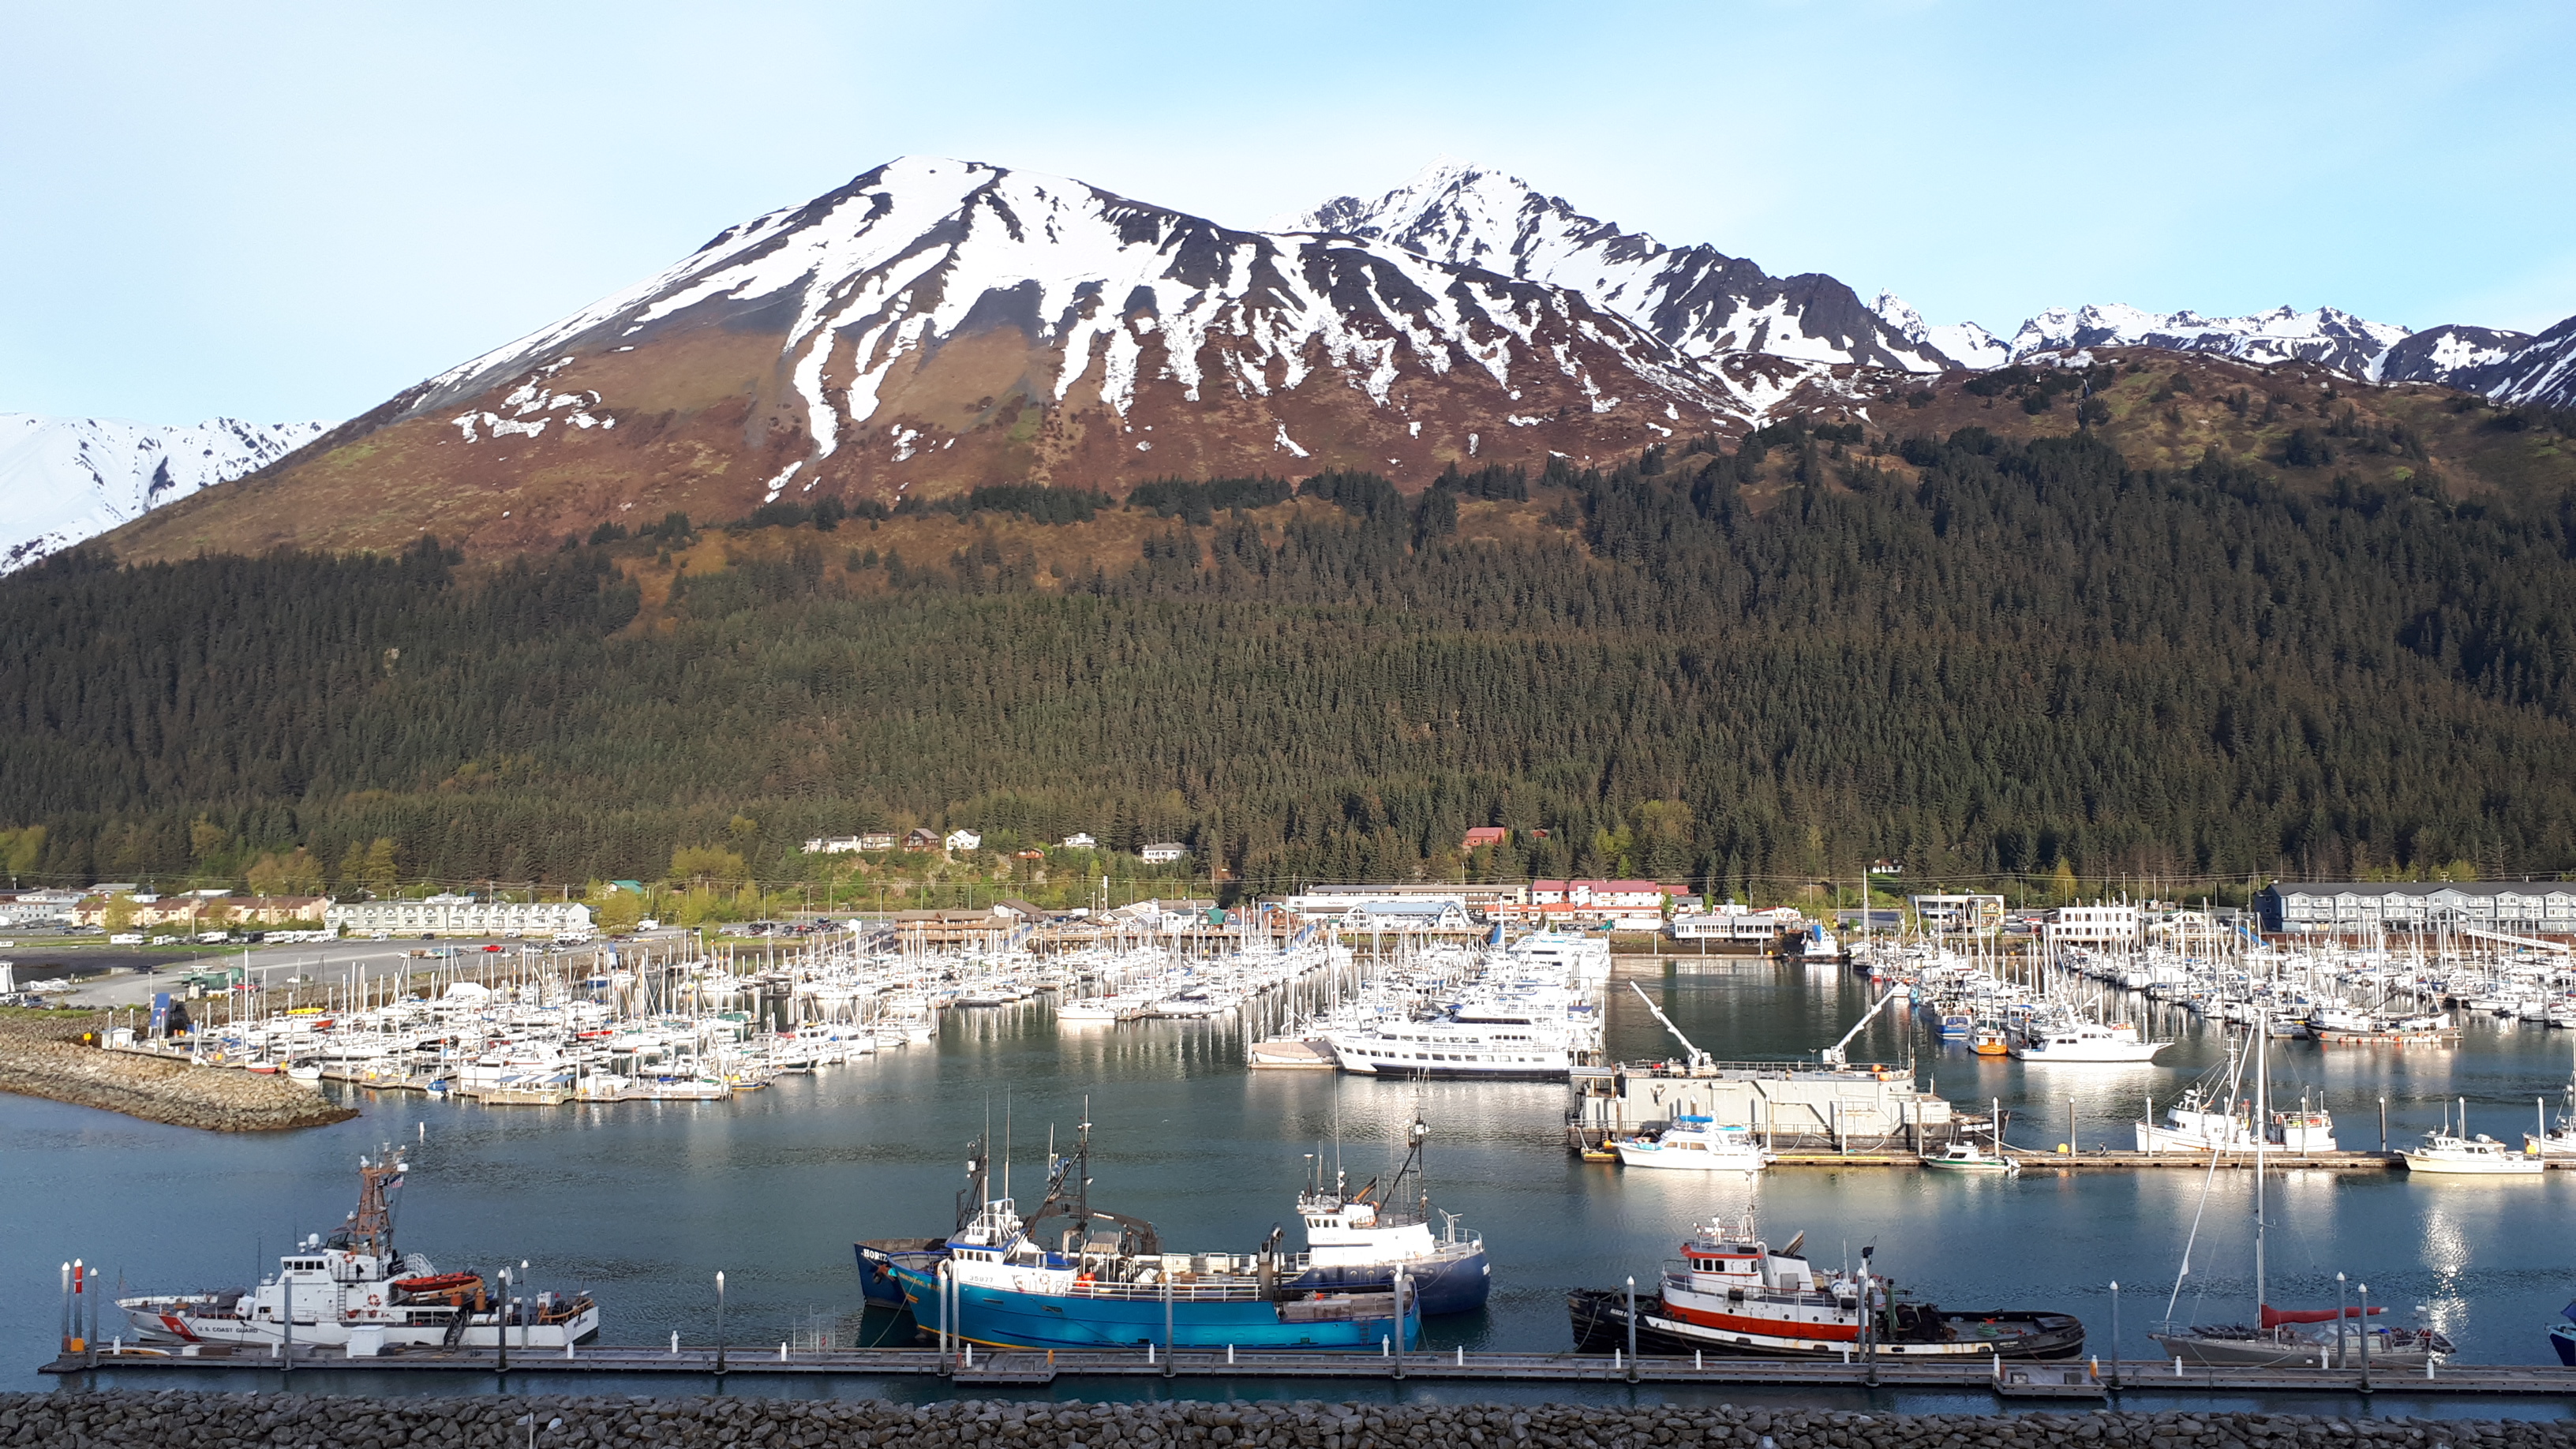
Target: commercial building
x=450, y=915
x=1959, y=912
x=1736, y=924
x=1482, y=899
x=2094, y=926
x=2524, y=908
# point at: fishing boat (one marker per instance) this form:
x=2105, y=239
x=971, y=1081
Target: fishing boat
x=2562, y=1335
x=1732, y=1294
x=1695, y=1144
x=1989, y=1041
x=1969, y=1157
x=2479, y=1156
x=1356, y=1244
x=1106, y=1283
x=2203, y=1119
x=352, y=1291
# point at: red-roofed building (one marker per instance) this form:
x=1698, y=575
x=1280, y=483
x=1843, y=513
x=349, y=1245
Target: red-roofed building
x=1484, y=835
x=1622, y=904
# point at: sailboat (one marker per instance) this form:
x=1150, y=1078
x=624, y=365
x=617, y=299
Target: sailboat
x=2288, y=1337
x=2557, y=1141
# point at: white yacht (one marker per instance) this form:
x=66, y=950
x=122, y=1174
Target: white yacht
x=1695, y=1144
x=1966, y=1156
x=1449, y=1048
x=2084, y=1041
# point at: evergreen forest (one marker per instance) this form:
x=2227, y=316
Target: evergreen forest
x=2018, y=661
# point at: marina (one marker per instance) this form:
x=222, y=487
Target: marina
x=637, y=1203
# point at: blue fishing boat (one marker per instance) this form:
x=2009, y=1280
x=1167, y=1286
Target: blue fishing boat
x=1355, y=1241
x=2562, y=1335
x=1106, y=1283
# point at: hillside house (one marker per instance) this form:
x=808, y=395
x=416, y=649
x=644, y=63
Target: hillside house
x=1482, y=836
x=963, y=839
x=1163, y=852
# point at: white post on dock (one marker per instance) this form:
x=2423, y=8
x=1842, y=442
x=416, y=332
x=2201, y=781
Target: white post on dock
x=1399, y=1321
x=2365, y=1318
x=2115, y=1310
x=286, y=1286
x=1167, y=1319
x=1632, y=1328
x=2340, y=1324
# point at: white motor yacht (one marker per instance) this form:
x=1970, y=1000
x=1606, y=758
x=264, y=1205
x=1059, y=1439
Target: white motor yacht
x=1698, y=1144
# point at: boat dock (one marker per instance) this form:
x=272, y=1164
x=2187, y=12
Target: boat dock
x=2008, y=1379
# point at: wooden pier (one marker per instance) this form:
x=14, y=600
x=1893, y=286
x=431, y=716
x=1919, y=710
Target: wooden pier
x=2079, y=1379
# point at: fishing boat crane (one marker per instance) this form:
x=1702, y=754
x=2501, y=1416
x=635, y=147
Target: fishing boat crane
x=1833, y=1055
x=1699, y=1060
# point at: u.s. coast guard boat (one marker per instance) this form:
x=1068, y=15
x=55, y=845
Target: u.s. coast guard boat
x=353, y=1292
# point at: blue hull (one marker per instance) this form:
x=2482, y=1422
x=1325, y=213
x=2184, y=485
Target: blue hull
x=1459, y=1285
x=2562, y=1337
x=1000, y=1318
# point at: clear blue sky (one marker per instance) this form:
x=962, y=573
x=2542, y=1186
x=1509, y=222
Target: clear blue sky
x=284, y=210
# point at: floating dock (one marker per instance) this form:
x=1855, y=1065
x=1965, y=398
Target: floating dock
x=2010, y=1379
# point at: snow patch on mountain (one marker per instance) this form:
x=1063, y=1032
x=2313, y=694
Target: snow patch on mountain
x=1963, y=343
x=63, y=480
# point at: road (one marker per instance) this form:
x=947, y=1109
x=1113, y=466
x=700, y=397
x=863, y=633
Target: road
x=111, y=976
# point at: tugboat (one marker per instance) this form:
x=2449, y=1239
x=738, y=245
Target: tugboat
x=1107, y=1284
x=352, y=1291
x=1734, y=1295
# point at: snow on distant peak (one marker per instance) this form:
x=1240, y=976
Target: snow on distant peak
x=63, y=480
x=2327, y=336
x=1702, y=301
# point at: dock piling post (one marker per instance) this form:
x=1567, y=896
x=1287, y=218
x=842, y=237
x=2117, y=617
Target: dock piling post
x=1399, y=1321
x=2115, y=1318
x=2340, y=1339
x=720, y=1337
x=1167, y=1322
x=500, y=1326
x=2383, y=1125
x=286, y=1287
x=1632, y=1328
x=2365, y=1336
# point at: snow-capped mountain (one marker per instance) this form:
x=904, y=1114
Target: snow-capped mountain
x=66, y=479
x=1702, y=301
x=936, y=324
x=2448, y=354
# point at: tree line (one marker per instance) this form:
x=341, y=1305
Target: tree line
x=1735, y=668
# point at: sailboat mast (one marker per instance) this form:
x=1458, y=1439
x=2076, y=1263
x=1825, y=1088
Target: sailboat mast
x=2262, y=1119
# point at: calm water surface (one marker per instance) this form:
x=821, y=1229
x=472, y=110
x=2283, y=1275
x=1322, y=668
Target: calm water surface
x=642, y=1203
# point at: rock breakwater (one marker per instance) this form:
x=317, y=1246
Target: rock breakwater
x=292, y=1421
x=46, y=1056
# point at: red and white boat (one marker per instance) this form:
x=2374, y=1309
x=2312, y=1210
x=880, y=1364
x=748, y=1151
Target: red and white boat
x=1733, y=1294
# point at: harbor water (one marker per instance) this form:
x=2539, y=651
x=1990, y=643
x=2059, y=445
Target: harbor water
x=642, y=1203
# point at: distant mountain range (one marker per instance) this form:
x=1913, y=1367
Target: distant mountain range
x=65, y=479
x=936, y=325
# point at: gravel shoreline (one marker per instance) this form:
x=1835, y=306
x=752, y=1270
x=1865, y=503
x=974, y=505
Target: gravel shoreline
x=295, y=1421
x=42, y=1056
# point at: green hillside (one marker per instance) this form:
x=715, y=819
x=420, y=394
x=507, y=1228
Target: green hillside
x=1982, y=655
